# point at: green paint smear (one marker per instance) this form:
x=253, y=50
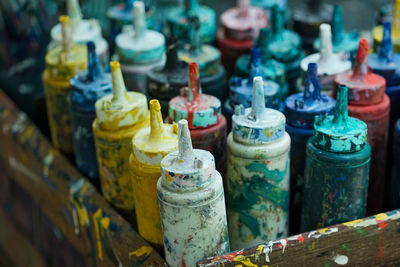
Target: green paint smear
x=273, y=175
x=326, y=264
x=360, y=231
x=345, y=247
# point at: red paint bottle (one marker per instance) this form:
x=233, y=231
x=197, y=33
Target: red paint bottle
x=207, y=125
x=240, y=26
x=368, y=102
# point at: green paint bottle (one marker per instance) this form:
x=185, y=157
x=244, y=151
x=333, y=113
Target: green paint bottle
x=337, y=169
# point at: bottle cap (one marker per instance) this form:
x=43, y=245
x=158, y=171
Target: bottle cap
x=138, y=45
x=302, y=108
x=285, y=45
x=329, y=63
x=258, y=124
x=206, y=56
x=365, y=87
x=91, y=84
x=199, y=109
x=341, y=40
x=243, y=22
x=152, y=144
x=386, y=63
x=83, y=30
x=121, y=109
x=338, y=132
x=165, y=82
x=63, y=61
x=241, y=90
x=187, y=169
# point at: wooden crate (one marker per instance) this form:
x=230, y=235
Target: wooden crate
x=52, y=216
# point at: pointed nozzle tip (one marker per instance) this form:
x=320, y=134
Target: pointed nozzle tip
x=138, y=6
x=155, y=105
x=363, y=48
x=312, y=69
x=387, y=25
x=337, y=9
x=64, y=19
x=342, y=90
x=258, y=82
x=184, y=139
x=182, y=124
x=325, y=28
x=193, y=68
x=255, y=52
x=91, y=47
x=114, y=65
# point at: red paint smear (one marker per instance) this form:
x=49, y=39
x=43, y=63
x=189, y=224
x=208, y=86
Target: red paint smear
x=194, y=80
x=183, y=262
x=231, y=256
x=361, y=57
x=300, y=239
x=382, y=225
x=380, y=246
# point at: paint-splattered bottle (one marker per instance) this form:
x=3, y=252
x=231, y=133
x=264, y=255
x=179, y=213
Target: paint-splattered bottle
x=207, y=126
x=192, y=204
x=240, y=25
x=86, y=88
x=241, y=90
x=179, y=21
x=271, y=69
x=83, y=31
x=150, y=146
x=337, y=169
x=139, y=50
x=212, y=73
x=285, y=47
x=165, y=82
x=342, y=41
x=329, y=64
x=258, y=174
x=369, y=103
x=307, y=18
x=394, y=188
x=62, y=63
x=377, y=32
x=118, y=118
x=300, y=111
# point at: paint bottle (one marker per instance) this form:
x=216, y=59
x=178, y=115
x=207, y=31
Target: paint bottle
x=118, y=118
x=394, y=188
x=139, y=50
x=150, y=146
x=241, y=90
x=163, y=83
x=240, y=25
x=329, y=64
x=342, y=41
x=83, y=31
x=179, y=21
x=258, y=174
x=208, y=58
x=62, y=63
x=86, y=88
x=337, y=168
x=300, y=111
x=192, y=204
x=285, y=47
x=377, y=32
x=122, y=14
x=369, y=103
x=307, y=17
x=270, y=68
x=386, y=63
x=207, y=125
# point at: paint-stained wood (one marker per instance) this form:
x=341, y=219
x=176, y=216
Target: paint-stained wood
x=51, y=212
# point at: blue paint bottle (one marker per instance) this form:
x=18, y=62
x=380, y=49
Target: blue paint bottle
x=270, y=68
x=86, y=88
x=337, y=169
x=300, y=110
x=241, y=90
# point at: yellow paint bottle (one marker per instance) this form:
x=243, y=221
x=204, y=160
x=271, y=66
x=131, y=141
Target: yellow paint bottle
x=118, y=117
x=377, y=32
x=150, y=146
x=62, y=63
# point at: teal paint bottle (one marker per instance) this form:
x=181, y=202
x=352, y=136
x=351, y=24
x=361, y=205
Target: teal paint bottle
x=337, y=169
x=212, y=73
x=270, y=68
x=257, y=173
x=139, y=50
x=285, y=47
x=179, y=21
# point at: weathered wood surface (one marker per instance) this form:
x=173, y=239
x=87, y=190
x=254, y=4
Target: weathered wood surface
x=51, y=215
x=372, y=241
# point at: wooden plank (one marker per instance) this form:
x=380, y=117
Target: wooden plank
x=370, y=241
x=64, y=204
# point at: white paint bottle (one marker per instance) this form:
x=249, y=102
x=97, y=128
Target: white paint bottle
x=192, y=204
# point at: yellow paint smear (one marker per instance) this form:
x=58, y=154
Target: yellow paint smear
x=145, y=250
x=96, y=216
x=351, y=223
x=323, y=230
x=105, y=222
x=380, y=216
x=245, y=261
